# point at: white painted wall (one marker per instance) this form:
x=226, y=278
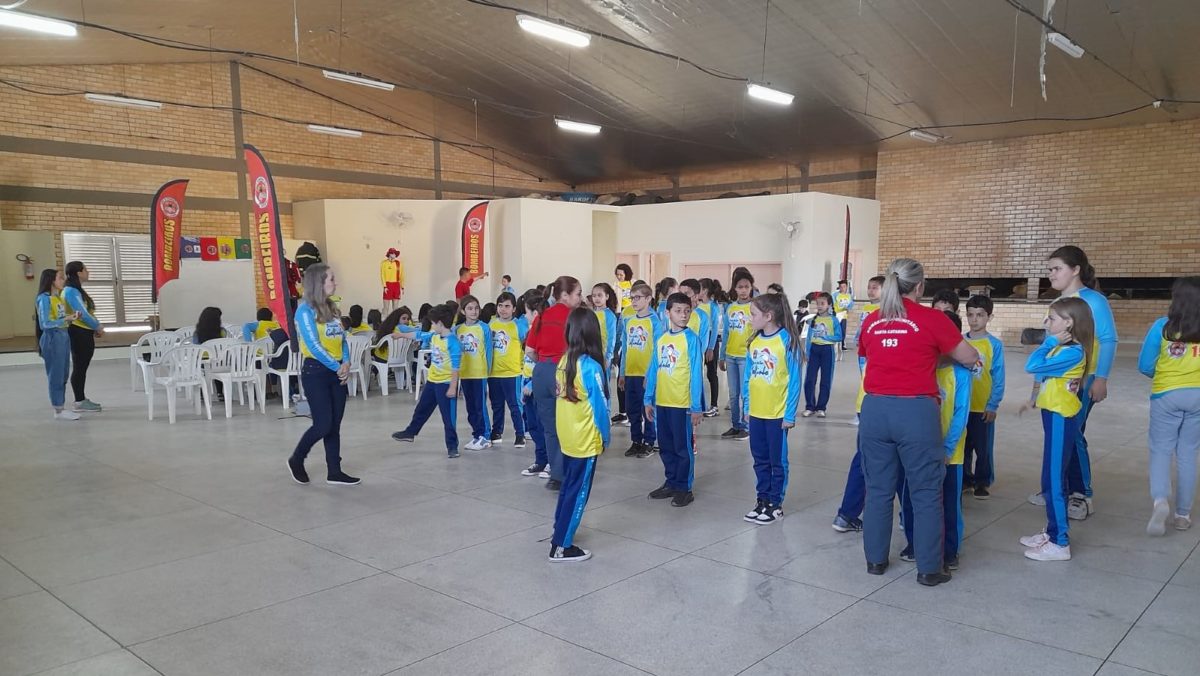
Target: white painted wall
x=17, y=294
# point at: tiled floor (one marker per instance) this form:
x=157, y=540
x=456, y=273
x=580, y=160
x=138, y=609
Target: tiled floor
x=131, y=547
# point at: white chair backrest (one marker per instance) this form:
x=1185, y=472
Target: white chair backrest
x=359, y=344
x=218, y=349
x=294, y=359
x=233, y=330
x=183, y=363
x=185, y=333
x=240, y=358
x=399, y=350
x=158, y=341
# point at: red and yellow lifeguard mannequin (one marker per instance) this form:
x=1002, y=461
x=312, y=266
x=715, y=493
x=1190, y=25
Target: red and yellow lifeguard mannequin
x=391, y=274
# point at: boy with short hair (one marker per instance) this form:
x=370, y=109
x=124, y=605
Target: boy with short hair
x=639, y=332
x=987, y=389
x=440, y=391
x=465, y=280
x=843, y=302
x=945, y=299
x=674, y=392
x=506, y=285
x=508, y=360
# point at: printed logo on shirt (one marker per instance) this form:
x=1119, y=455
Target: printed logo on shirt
x=470, y=343
x=764, y=364
x=977, y=369
x=333, y=328
x=438, y=357
x=737, y=320
x=819, y=330
x=1074, y=384
x=668, y=358
x=500, y=341
x=1177, y=350
x=638, y=338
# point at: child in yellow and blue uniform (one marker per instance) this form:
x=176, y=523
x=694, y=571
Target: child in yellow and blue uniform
x=476, y=340
x=1059, y=367
x=262, y=328
x=954, y=390
x=581, y=420
x=508, y=361
x=700, y=322
x=771, y=383
x=987, y=389
x=1172, y=359
x=824, y=333
x=736, y=339
x=674, y=391
x=53, y=343
x=441, y=389
x=843, y=302
x=604, y=304
x=639, y=333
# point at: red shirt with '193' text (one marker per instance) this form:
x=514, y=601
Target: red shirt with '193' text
x=902, y=354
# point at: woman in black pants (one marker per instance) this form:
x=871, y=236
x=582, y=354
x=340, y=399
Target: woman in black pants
x=83, y=332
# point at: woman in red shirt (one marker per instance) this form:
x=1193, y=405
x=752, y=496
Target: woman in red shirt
x=900, y=432
x=545, y=345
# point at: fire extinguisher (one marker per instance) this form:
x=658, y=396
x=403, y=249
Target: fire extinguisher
x=26, y=265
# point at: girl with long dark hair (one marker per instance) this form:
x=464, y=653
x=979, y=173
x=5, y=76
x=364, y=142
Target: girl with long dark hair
x=582, y=427
x=53, y=343
x=82, y=331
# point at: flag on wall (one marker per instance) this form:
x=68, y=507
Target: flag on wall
x=225, y=249
x=244, y=250
x=208, y=249
x=473, y=238
x=268, y=239
x=166, y=222
x=189, y=247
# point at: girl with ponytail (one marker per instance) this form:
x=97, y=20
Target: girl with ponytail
x=82, y=332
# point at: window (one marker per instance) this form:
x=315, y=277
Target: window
x=120, y=271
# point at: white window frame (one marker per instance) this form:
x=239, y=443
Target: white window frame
x=102, y=252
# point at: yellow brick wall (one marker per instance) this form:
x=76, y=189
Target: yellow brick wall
x=1126, y=195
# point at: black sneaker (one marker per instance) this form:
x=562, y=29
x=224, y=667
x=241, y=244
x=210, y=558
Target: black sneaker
x=682, y=499
x=729, y=433
x=343, y=479
x=770, y=514
x=533, y=470
x=403, y=436
x=296, y=467
x=497, y=440
x=952, y=564
x=662, y=493
x=619, y=419
x=570, y=554
x=741, y=435
x=933, y=579
x=644, y=451
x=453, y=453
x=752, y=515
x=982, y=493
x=906, y=554
x=633, y=450
x=553, y=485
x=712, y=412
x=519, y=443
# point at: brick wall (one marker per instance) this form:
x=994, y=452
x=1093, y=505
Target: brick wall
x=1126, y=195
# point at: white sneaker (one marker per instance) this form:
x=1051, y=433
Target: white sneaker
x=820, y=414
x=1036, y=499
x=1035, y=540
x=544, y=474
x=1049, y=552
x=483, y=443
x=807, y=414
x=1079, y=507
x=1158, y=519
x=1182, y=522
x=66, y=415
x=473, y=445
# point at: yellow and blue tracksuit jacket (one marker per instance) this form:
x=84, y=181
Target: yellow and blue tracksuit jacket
x=772, y=377
x=987, y=382
x=954, y=389
x=74, y=301
x=445, y=352
x=843, y=303
x=700, y=322
x=737, y=333
x=608, y=332
x=824, y=330
x=639, y=334
x=583, y=426
x=508, y=355
x=676, y=378
x=258, y=330
x=1104, y=347
x=1172, y=364
x=476, y=343
x=624, y=290
x=51, y=312
x=1060, y=369
x=324, y=342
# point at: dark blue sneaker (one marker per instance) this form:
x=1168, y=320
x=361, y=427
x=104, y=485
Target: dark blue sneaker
x=843, y=525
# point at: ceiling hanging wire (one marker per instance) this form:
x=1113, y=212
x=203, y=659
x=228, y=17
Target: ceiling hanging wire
x=766, y=25
x=296, y=29
x=1012, y=92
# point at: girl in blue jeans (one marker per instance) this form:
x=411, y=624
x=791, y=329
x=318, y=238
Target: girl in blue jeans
x=53, y=343
x=1171, y=357
x=736, y=339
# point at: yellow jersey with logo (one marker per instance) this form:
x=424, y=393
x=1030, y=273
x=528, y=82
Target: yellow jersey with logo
x=987, y=382
x=676, y=377
x=445, y=357
x=771, y=378
x=324, y=342
x=1060, y=369
x=475, y=340
x=623, y=294
x=1173, y=364
x=508, y=353
x=639, y=335
x=842, y=303
x=608, y=331
x=824, y=330
x=737, y=330
x=954, y=388
x=582, y=425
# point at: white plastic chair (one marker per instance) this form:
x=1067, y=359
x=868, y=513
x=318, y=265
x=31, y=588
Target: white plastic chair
x=185, y=333
x=148, y=352
x=399, y=352
x=235, y=364
x=285, y=375
x=183, y=369
x=422, y=372
x=359, y=344
x=233, y=330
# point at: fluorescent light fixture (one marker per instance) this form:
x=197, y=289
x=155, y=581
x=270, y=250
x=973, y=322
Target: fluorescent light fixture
x=553, y=31
x=37, y=24
x=767, y=94
x=925, y=136
x=334, y=131
x=109, y=100
x=362, y=81
x=1064, y=43
x=577, y=127
x=127, y=329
